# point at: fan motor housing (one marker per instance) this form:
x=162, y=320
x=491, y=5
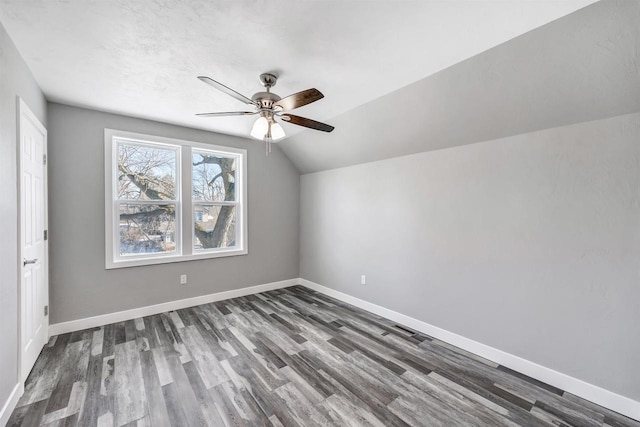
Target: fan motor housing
x=265, y=99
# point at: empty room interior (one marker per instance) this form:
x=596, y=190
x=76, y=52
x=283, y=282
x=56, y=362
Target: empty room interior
x=345, y=213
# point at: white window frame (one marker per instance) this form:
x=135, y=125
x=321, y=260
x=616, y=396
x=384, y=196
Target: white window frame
x=184, y=203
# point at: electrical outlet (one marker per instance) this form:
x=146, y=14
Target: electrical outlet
x=183, y=279
x=363, y=280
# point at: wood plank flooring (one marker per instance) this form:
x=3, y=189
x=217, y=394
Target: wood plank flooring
x=291, y=357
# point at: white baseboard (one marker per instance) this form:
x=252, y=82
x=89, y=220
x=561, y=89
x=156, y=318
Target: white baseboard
x=11, y=403
x=120, y=316
x=593, y=393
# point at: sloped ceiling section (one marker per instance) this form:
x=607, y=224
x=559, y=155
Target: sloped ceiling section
x=582, y=67
x=141, y=57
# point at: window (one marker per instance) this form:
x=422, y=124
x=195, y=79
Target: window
x=170, y=200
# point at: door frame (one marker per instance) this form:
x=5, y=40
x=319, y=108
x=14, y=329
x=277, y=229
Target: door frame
x=25, y=113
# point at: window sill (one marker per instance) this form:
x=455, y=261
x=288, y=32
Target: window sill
x=139, y=262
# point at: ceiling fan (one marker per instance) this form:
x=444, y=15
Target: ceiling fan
x=269, y=106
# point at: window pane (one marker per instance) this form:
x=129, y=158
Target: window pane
x=147, y=228
x=214, y=227
x=146, y=173
x=213, y=177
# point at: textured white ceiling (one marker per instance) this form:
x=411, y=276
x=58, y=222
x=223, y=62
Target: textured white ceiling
x=141, y=57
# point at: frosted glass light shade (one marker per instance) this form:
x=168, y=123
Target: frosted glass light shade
x=276, y=131
x=260, y=128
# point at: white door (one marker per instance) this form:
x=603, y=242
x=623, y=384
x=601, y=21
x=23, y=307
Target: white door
x=34, y=287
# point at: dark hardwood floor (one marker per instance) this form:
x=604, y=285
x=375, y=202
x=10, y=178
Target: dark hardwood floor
x=287, y=357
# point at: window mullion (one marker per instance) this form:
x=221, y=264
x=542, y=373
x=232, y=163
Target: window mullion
x=187, y=205
x=115, y=232
x=139, y=202
x=206, y=203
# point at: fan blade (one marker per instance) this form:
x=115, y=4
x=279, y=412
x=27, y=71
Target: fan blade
x=299, y=99
x=308, y=123
x=227, y=90
x=228, y=113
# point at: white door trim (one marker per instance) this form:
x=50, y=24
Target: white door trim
x=24, y=111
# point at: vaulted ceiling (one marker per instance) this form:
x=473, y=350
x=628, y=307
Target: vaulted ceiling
x=582, y=67
x=399, y=77
x=141, y=57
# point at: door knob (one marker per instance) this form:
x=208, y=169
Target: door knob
x=29, y=261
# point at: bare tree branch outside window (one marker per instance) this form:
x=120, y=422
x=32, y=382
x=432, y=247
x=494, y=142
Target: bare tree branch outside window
x=147, y=174
x=213, y=182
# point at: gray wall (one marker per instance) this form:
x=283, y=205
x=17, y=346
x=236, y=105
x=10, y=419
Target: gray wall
x=80, y=285
x=15, y=80
x=529, y=244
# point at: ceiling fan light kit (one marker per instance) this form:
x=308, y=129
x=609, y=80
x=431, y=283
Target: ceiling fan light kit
x=269, y=106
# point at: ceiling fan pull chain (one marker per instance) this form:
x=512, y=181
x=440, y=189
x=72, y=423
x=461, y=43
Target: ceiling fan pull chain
x=267, y=146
